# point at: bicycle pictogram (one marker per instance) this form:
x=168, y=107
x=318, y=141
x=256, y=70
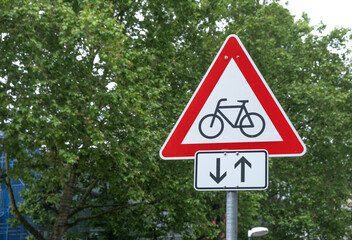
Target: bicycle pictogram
x=251, y=124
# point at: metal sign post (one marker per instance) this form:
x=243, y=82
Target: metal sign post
x=231, y=171
x=231, y=215
x=230, y=126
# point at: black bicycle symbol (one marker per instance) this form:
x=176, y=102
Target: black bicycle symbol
x=251, y=124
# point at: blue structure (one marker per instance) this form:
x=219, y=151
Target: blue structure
x=7, y=232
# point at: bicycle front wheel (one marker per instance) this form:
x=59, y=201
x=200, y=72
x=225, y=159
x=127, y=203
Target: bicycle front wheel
x=252, y=125
x=211, y=126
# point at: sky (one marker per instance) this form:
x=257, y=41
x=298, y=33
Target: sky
x=333, y=13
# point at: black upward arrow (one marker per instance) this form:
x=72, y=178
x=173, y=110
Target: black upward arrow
x=243, y=161
x=218, y=178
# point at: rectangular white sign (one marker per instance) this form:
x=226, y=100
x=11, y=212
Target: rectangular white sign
x=231, y=170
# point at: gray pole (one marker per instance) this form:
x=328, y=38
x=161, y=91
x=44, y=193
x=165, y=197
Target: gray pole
x=231, y=215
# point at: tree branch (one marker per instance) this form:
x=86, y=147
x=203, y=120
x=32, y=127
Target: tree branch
x=305, y=124
x=91, y=217
x=14, y=209
x=89, y=190
x=84, y=198
x=114, y=207
x=3, y=176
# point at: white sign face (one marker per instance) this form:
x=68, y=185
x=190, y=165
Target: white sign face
x=232, y=113
x=231, y=170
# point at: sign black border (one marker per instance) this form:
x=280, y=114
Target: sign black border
x=231, y=188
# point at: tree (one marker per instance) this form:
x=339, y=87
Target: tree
x=311, y=77
x=83, y=115
x=65, y=121
x=91, y=90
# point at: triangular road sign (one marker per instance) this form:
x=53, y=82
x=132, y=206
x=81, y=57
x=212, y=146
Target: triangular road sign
x=233, y=108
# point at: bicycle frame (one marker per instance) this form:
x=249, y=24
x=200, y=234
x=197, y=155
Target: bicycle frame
x=242, y=108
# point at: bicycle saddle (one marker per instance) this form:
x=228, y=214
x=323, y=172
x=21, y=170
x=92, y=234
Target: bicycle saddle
x=243, y=101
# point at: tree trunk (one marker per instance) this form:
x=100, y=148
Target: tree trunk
x=61, y=222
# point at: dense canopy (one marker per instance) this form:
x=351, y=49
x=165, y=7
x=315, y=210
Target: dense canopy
x=91, y=89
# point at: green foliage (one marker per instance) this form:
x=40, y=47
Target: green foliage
x=91, y=89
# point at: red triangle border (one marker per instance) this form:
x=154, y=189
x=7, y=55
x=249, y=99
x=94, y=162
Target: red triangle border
x=292, y=144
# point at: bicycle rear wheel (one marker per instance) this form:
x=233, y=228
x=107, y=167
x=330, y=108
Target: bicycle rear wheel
x=255, y=125
x=209, y=130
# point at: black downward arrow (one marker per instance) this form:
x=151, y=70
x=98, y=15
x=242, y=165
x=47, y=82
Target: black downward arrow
x=218, y=178
x=243, y=161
